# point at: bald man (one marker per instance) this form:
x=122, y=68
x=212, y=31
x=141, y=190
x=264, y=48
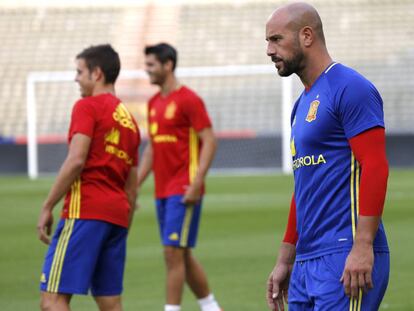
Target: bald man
x=334, y=255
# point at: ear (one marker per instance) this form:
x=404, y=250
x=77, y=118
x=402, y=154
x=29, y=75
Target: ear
x=307, y=36
x=168, y=66
x=97, y=74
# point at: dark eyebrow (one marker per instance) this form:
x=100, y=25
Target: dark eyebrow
x=274, y=37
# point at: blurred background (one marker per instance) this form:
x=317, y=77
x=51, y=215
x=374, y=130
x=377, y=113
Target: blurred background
x=222, y=55
x=376, y=37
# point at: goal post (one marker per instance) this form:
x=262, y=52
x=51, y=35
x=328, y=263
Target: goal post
x=34, y=78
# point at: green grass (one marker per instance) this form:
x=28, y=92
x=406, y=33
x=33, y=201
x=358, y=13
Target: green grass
x=243, y=221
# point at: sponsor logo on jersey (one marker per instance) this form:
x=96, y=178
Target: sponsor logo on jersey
x=313, y=109
x=113, y=136
x=123, y=117
x=121, y=154
x=170, y=111
x=309, y=160
x=174, y=236
x=165, y=139
x=292, y=147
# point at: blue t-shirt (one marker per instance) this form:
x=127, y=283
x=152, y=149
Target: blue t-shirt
x=340, y=105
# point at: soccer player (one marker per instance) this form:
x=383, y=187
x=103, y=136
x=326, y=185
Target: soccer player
x=180, y=149
x=334, y=255
x=98, y=179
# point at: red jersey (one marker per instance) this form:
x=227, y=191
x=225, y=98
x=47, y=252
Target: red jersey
x=173, y=122
x=99, y=191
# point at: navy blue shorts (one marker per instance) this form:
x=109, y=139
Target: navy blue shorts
x=315, y=285
x=85, y=255
x=177, y=222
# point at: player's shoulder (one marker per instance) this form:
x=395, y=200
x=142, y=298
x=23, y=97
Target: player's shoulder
x=154, y=97
x=340, y=76
x=187, y=93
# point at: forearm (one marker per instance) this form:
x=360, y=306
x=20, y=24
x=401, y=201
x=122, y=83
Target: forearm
x=366, y=230
x=145, y=166
x=207, y=153
x=287, y=254
x=68, y=173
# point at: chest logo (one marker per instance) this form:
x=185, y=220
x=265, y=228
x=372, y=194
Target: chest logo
x=153, y=128
x=170, y=111
x=313, y=109
x=153, y=112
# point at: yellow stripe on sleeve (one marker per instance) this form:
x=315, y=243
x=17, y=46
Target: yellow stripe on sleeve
x=193, y=151
x=75, y=198
x=352, y=190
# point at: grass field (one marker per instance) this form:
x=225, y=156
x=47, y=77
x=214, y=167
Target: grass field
x=242, y=224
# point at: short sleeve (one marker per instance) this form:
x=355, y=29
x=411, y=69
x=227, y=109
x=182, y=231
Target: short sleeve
x=83, y=119
x=197, y=113
x=360, y=107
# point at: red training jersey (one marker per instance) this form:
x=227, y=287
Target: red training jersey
x=173, y=123
x=99, y=192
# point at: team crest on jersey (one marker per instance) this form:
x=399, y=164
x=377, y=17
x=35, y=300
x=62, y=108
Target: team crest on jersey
x=292, y=147
x=170, y=110
x=313, y=109
x=153, y=112
x=43, y=278
x=153, y=128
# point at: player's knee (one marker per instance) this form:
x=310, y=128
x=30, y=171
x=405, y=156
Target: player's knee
x=109, y=303
x=174, y=257
x=50, y=302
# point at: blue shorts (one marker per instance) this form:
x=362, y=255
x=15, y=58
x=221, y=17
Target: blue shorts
x=315, y=285
x=177, y=222
x=85, y=255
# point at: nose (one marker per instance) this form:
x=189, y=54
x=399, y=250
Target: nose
x=270, y=51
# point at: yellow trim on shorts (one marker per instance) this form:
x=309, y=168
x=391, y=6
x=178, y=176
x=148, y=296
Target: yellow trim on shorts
x=185, y=230
x=59, y=256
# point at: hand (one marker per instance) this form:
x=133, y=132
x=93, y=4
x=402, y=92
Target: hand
x=277, y=286
x=357, y=274
x=44, y=225
x=192, y=194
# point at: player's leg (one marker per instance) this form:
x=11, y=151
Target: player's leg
x=324, y=284
x=109, y=303
x=107, y=279
x=71, y=258
x=169, y=225
x=175, y=264
x=298, y=297
x=380, y=276
x=54, y=302
x=196, y=278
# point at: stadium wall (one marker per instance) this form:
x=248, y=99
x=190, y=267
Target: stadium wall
x=261, y=153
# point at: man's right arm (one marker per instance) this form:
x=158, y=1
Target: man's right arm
x=278, y=281
x=145, y=166
x=70, y=170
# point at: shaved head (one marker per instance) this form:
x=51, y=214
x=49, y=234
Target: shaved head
x=296, y=16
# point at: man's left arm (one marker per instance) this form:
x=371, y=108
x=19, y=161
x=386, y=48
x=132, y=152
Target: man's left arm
x=70, y=170
x=369, y=150
x=208, y=149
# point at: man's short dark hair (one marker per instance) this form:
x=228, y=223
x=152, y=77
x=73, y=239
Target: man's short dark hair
x=104, y=57
x=163, y=52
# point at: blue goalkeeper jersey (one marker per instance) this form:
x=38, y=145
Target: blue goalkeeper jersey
x=340, y=105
